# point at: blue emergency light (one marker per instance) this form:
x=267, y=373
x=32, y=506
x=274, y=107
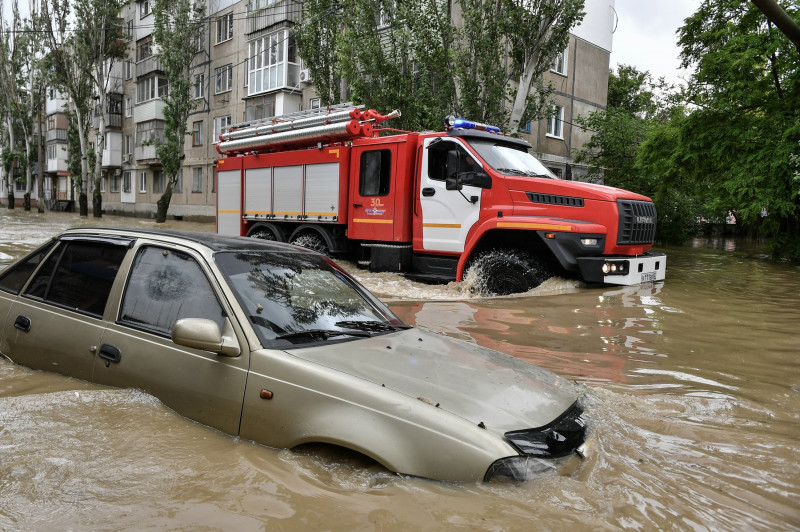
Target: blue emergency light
x=451, y=121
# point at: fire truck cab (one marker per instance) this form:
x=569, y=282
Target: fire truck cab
x=430, y=205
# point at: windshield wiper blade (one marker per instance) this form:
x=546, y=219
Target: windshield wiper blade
x=321, y=333
x=370, y=325
x=512, y=171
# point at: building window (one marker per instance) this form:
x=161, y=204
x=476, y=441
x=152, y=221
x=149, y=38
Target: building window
x=199, y=85
x=220, y=123
x=224, y=28
x=144, y=8
x=560, y=62
x=128, y=145
x=200, y=43
x=223, y=79
x=114, y=182
x=126, y=182
x=259, y=108
x=128, y=69
x=197, y=134
x=197, y=179
x=144, y=48
x=525, y=128
x=555, y=124
x=158, y=181
x=129, y=28
x=315, y=103
x=128, y=107
x=150, y=132
x=142, y=181
x=178, y=188
x=556, y=171
x=268, y=60
x=151, y=88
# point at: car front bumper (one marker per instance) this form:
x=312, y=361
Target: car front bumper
x=623, y=270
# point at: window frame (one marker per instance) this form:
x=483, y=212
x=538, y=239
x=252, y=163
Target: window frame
x=555, y=123
x=220, y=75
x=197, y=133
x=223, y=27
x=561, y=57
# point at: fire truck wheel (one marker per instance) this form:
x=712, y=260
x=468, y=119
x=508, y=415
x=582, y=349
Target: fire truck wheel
x=501, y=272
x=311, y=241
x=263, y=234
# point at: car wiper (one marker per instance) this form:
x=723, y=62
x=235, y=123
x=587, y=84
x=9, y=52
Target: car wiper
x=320, y=333
x=371, y=325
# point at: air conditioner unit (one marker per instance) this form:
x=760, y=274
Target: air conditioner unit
x=305, y=76
x=126, y=158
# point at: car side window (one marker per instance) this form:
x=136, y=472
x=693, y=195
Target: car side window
x=376, y=169
x=78, y=276
x=13, y=279
x=166, y=285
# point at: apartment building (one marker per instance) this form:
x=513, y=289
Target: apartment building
x=248, y=68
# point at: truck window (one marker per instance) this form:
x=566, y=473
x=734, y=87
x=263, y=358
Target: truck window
x=376, y=169
x=437, y=160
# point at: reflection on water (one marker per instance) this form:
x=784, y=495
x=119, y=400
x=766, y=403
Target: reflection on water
x=693, y=387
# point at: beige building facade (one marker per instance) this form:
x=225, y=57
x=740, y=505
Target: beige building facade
x=248, y=68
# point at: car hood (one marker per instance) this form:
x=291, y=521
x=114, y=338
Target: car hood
x=470, y=381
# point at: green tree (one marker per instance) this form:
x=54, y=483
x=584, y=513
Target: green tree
x=745, y=123
x=413, y=56
x=178, y=24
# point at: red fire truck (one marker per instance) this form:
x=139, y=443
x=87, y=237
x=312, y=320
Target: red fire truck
x=432, y=205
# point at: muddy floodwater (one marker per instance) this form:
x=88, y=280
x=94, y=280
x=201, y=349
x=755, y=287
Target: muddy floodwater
x=693, y=386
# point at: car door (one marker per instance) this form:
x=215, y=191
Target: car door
x=56, y=323
x=447, y=215
x=167, y=283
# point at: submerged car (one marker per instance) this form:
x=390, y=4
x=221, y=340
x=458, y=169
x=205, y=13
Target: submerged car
x=279, y=345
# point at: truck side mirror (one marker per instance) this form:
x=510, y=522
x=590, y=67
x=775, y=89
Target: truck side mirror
x=478, y=178
x=452, y=183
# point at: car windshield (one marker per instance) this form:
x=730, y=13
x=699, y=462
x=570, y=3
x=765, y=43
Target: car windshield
x=509, y=160
x=295, y=298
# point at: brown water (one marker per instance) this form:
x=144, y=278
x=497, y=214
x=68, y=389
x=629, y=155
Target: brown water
x=693, y=386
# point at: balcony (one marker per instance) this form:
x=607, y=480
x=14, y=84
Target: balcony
x=112, y=121
x=56, y=135
x=59, y=164
x=112, y=151
x=281, y=11
x=56, y=105
x=146, y=155
x=149, y=110
x=148, y=65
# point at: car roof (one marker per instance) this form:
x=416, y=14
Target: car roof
x=211, y=241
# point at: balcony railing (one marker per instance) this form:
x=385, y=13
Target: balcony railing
x=56, y=134
x=285, y=10
x=148, y=65
x=112, y=120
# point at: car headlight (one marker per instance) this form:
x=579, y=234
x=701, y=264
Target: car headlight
x=520, y=469
x=560, y=437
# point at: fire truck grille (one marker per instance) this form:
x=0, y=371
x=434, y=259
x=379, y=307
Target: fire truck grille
x=637, y=222
x=552, y=199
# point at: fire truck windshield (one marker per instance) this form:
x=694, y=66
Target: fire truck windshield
x=510, y=160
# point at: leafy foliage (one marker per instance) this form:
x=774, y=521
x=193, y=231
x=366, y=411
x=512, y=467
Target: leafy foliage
x=411, y=55
x=178, y=24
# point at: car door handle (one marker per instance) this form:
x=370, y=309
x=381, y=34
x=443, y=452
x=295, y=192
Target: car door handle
x=110, y=354
x=357, y=205
x=23, y=323
x=428, y=192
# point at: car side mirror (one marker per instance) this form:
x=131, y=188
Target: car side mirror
x=200, y=333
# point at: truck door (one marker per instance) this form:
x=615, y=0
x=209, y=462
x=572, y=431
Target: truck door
x=372, y=194
x=447, y=215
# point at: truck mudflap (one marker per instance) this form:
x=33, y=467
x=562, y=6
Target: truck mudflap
x=623, y=270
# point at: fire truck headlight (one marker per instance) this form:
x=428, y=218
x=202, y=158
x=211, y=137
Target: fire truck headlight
x=589, y=241
x=606, y=268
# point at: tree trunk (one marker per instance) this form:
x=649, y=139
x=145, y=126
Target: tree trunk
x=41, y=206
x=97, y=201
x=11, y=198
x=83, y=203
x=26, y=201
x=163, y=204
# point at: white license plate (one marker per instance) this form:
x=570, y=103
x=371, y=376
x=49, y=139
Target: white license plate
x=651, y=276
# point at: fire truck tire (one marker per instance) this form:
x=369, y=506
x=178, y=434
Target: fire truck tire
x=264, y=233
x=500, y=272
x=312, y=241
